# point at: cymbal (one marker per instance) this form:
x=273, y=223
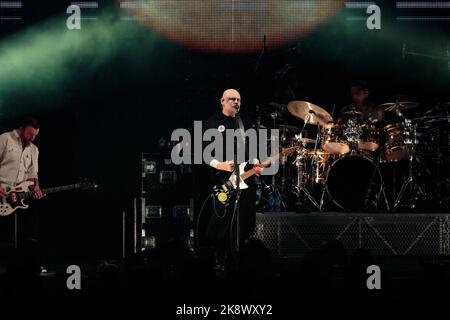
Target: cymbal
x=315, y=114
x=352, y=113
x=437, y=120
x=401, y=105
x=428, y=118
x=439, y=109
x=302, y=140
x=443, y=105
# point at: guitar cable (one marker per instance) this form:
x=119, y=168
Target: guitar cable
x=197, y=226
x=215, y=211
x=231, y=230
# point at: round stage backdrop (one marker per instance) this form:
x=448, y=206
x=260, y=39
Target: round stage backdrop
x=232, y=26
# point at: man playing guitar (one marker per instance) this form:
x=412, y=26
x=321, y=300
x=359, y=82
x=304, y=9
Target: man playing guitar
x=221, y=227
x=18, y=163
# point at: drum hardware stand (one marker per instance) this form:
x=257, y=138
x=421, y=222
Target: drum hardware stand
x=283, y=159
x=386, y=202
x=375, y=202
x=300, y=185
x=274, y=188
x=411, y=184
x=314, y=163
x=324, y=188
x=409, y=181
x=323, y=194
x=300, y=188
x=275, y=191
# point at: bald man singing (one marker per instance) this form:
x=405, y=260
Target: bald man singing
x=220, y=229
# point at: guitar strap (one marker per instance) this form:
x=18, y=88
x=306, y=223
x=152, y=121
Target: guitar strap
x=242, y=129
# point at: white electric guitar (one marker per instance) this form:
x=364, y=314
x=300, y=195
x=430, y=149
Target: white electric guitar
x=224, y=190
x=23, y=191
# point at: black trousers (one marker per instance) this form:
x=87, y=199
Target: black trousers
x=28, y=224
x=221, y=230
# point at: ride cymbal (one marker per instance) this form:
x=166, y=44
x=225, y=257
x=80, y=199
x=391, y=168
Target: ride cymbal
x=310, y=113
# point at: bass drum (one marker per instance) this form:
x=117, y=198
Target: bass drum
x=349, y=181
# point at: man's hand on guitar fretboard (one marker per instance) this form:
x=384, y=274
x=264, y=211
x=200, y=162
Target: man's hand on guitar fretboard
x=258, y=169
x=226, y=166
x=37, y=193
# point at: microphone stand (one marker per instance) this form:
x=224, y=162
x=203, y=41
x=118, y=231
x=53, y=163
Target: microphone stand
x=261, y=55
x=238, y=190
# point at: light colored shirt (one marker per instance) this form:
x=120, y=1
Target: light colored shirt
x=17, y=163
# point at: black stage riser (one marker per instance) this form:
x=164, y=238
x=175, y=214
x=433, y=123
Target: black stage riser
x=294, y=235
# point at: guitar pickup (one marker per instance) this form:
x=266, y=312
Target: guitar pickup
x=228, y=185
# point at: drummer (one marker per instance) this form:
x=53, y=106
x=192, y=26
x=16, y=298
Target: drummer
x=361, y=106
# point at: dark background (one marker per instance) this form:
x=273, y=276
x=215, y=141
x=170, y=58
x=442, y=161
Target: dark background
x=98, y=120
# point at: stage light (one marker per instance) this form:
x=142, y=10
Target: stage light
x=45, y=64
x=232, y=25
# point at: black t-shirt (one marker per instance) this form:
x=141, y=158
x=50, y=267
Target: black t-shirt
x=370, y=114
x=222, y=123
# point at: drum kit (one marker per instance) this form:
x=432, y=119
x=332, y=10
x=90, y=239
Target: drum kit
x=355, y=165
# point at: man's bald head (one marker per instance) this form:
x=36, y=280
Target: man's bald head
x=230, y=102
x=230, y=92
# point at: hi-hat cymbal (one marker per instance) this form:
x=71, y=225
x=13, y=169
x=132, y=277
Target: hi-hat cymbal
x=400, y=105
x=310, y=113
